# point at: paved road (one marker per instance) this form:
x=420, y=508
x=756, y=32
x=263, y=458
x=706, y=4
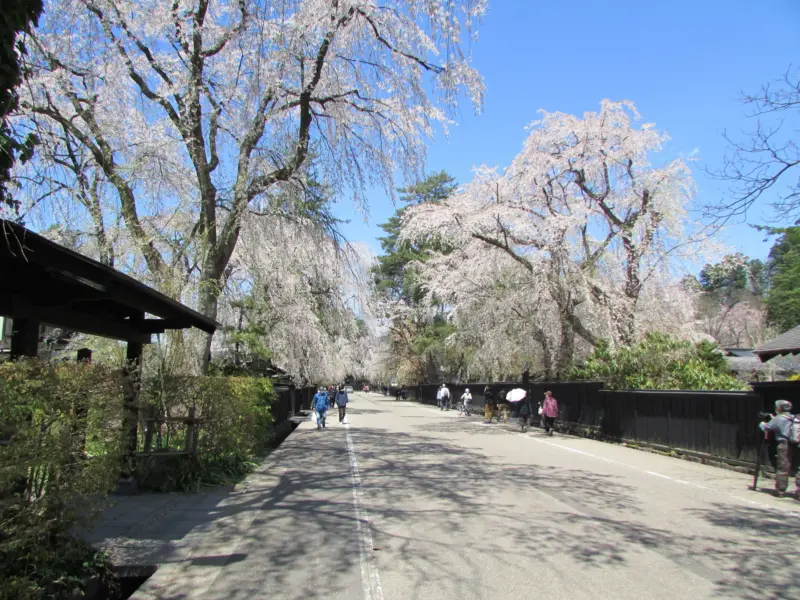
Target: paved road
x=412, y=503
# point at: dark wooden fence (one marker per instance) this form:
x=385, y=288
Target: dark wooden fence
x=706, y=423
x=291, y=401
x=721, y=424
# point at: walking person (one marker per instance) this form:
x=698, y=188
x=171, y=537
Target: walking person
x=446, y=402
x=549, y=412
x=331, y=395
x=524, y=413
x=321, y=406
x=502, y=405
x=341, y=402
x=439, y=397
x=466, y=400
x=780, y=426
x=488, y=404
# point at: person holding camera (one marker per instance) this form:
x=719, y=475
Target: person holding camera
x=781, y=426
x=488, y=404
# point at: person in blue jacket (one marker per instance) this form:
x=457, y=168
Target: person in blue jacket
x=341, y=402
x=321, y=406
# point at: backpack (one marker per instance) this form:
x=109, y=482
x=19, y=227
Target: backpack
x=321, y=401
x=794, y=429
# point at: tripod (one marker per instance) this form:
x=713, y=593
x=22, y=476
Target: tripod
x=762, y=448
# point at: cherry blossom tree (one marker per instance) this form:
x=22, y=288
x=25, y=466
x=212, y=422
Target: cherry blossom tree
x=208, y=107
x=309, y=292
x=731, y=304
x=576, y=241
x=743, y=325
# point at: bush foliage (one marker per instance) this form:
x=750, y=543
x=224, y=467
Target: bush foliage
x=659, y=362
x=60, y=429
x=61, y=449
x=235, y=425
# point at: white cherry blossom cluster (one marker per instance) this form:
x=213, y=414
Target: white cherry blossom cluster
x=582, y=237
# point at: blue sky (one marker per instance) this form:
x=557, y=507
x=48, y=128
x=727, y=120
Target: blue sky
x=685, y=64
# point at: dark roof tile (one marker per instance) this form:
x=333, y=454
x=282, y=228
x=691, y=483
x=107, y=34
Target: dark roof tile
x=786, y=343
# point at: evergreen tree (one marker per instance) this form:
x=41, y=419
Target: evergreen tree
x=16, y=17
x=783, y=297
x=419, y=342
x=391, y=275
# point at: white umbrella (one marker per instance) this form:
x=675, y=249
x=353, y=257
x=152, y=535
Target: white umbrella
x=516, y=395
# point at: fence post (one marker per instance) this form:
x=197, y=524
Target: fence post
x=669, y=425
x=190, y=432
x=710, y=421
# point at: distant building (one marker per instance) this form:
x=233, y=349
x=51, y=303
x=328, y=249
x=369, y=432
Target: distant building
x=745, y=363
x=784, y=344
x=52, y=340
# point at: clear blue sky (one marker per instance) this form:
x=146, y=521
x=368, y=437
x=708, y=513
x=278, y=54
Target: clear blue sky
x=684, y=63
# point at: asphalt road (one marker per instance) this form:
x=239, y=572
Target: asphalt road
x=408, y=502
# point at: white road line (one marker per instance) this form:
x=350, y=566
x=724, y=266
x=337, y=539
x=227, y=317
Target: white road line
x=370, y=580
x=653, y=473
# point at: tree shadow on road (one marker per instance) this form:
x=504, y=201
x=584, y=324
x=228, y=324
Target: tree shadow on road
x=356, y=410
x=295, y=535
x=758, y=553
x=746, y=559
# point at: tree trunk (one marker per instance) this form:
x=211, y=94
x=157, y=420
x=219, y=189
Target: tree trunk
x=547, y=353
x=209, y=303
x=566, y=350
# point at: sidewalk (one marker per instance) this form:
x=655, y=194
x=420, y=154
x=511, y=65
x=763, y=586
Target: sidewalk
x=194, y=537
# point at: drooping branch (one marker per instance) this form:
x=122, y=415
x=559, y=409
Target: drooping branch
x=505, y=248
x=104, y=157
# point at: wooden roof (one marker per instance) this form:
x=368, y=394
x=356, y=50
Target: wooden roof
x=786, y=343
x=46, y=282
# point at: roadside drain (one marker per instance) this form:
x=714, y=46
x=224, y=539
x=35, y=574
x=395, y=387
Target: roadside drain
x=129, y=579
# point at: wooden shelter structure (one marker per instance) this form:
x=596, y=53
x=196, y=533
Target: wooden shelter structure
x=42, y=282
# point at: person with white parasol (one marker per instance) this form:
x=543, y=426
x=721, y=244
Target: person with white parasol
x=521, y=396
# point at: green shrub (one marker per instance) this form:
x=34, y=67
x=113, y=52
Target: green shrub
x=61, y=433
x=658, y=362
x=60, y=424
x=235, y=426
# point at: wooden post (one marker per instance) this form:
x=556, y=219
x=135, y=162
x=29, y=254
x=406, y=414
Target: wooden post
x=133, y=383
x=292, y=400
x=82, y=407
x=24, y=338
